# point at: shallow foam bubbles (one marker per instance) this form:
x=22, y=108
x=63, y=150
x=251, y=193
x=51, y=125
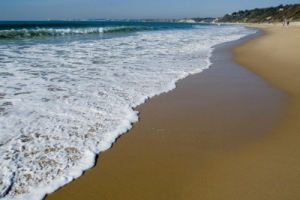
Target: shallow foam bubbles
x=67, y=102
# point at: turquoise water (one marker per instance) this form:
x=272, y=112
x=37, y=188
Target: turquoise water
x=28, y=29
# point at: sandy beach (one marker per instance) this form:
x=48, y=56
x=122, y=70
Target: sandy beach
x=230, y=132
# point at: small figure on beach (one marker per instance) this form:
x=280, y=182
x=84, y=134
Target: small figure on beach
x=284, y=21
x=287, y=24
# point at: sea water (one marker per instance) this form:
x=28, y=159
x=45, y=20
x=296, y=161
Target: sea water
x=68, y=90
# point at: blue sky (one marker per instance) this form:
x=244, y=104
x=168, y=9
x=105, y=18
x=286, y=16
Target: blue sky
x=126, y=9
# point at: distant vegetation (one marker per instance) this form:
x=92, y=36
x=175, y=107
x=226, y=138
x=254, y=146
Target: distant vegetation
x=207, y=19
x=263, y=15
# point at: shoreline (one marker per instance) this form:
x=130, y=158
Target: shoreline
x=151, y=161
x=291, y=24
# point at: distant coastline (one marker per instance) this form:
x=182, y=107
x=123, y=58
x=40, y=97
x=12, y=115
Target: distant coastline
x=270, y=15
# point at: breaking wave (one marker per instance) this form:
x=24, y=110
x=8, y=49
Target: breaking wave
x=27, y=33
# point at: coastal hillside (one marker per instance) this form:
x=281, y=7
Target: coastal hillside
x=263, y=15
x=197, y=20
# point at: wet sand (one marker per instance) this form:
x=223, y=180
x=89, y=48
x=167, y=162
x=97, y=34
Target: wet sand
x=225, y=133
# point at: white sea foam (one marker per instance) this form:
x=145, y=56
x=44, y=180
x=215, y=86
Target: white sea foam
x=61, y=104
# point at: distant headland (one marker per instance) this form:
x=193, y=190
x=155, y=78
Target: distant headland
x=264, y=15
x=277, y=14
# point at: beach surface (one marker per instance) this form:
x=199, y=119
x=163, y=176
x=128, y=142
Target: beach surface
x=227, y=133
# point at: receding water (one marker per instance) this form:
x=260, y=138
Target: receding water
x=68, y=89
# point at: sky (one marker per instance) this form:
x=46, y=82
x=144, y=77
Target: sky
x=126, y=9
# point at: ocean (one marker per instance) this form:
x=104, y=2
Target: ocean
x=68, y=89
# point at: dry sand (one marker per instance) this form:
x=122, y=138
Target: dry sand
x=222, y=134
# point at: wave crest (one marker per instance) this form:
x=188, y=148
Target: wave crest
x=24, y=33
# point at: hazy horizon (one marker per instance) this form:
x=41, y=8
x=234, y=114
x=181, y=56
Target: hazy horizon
x=129, y=9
